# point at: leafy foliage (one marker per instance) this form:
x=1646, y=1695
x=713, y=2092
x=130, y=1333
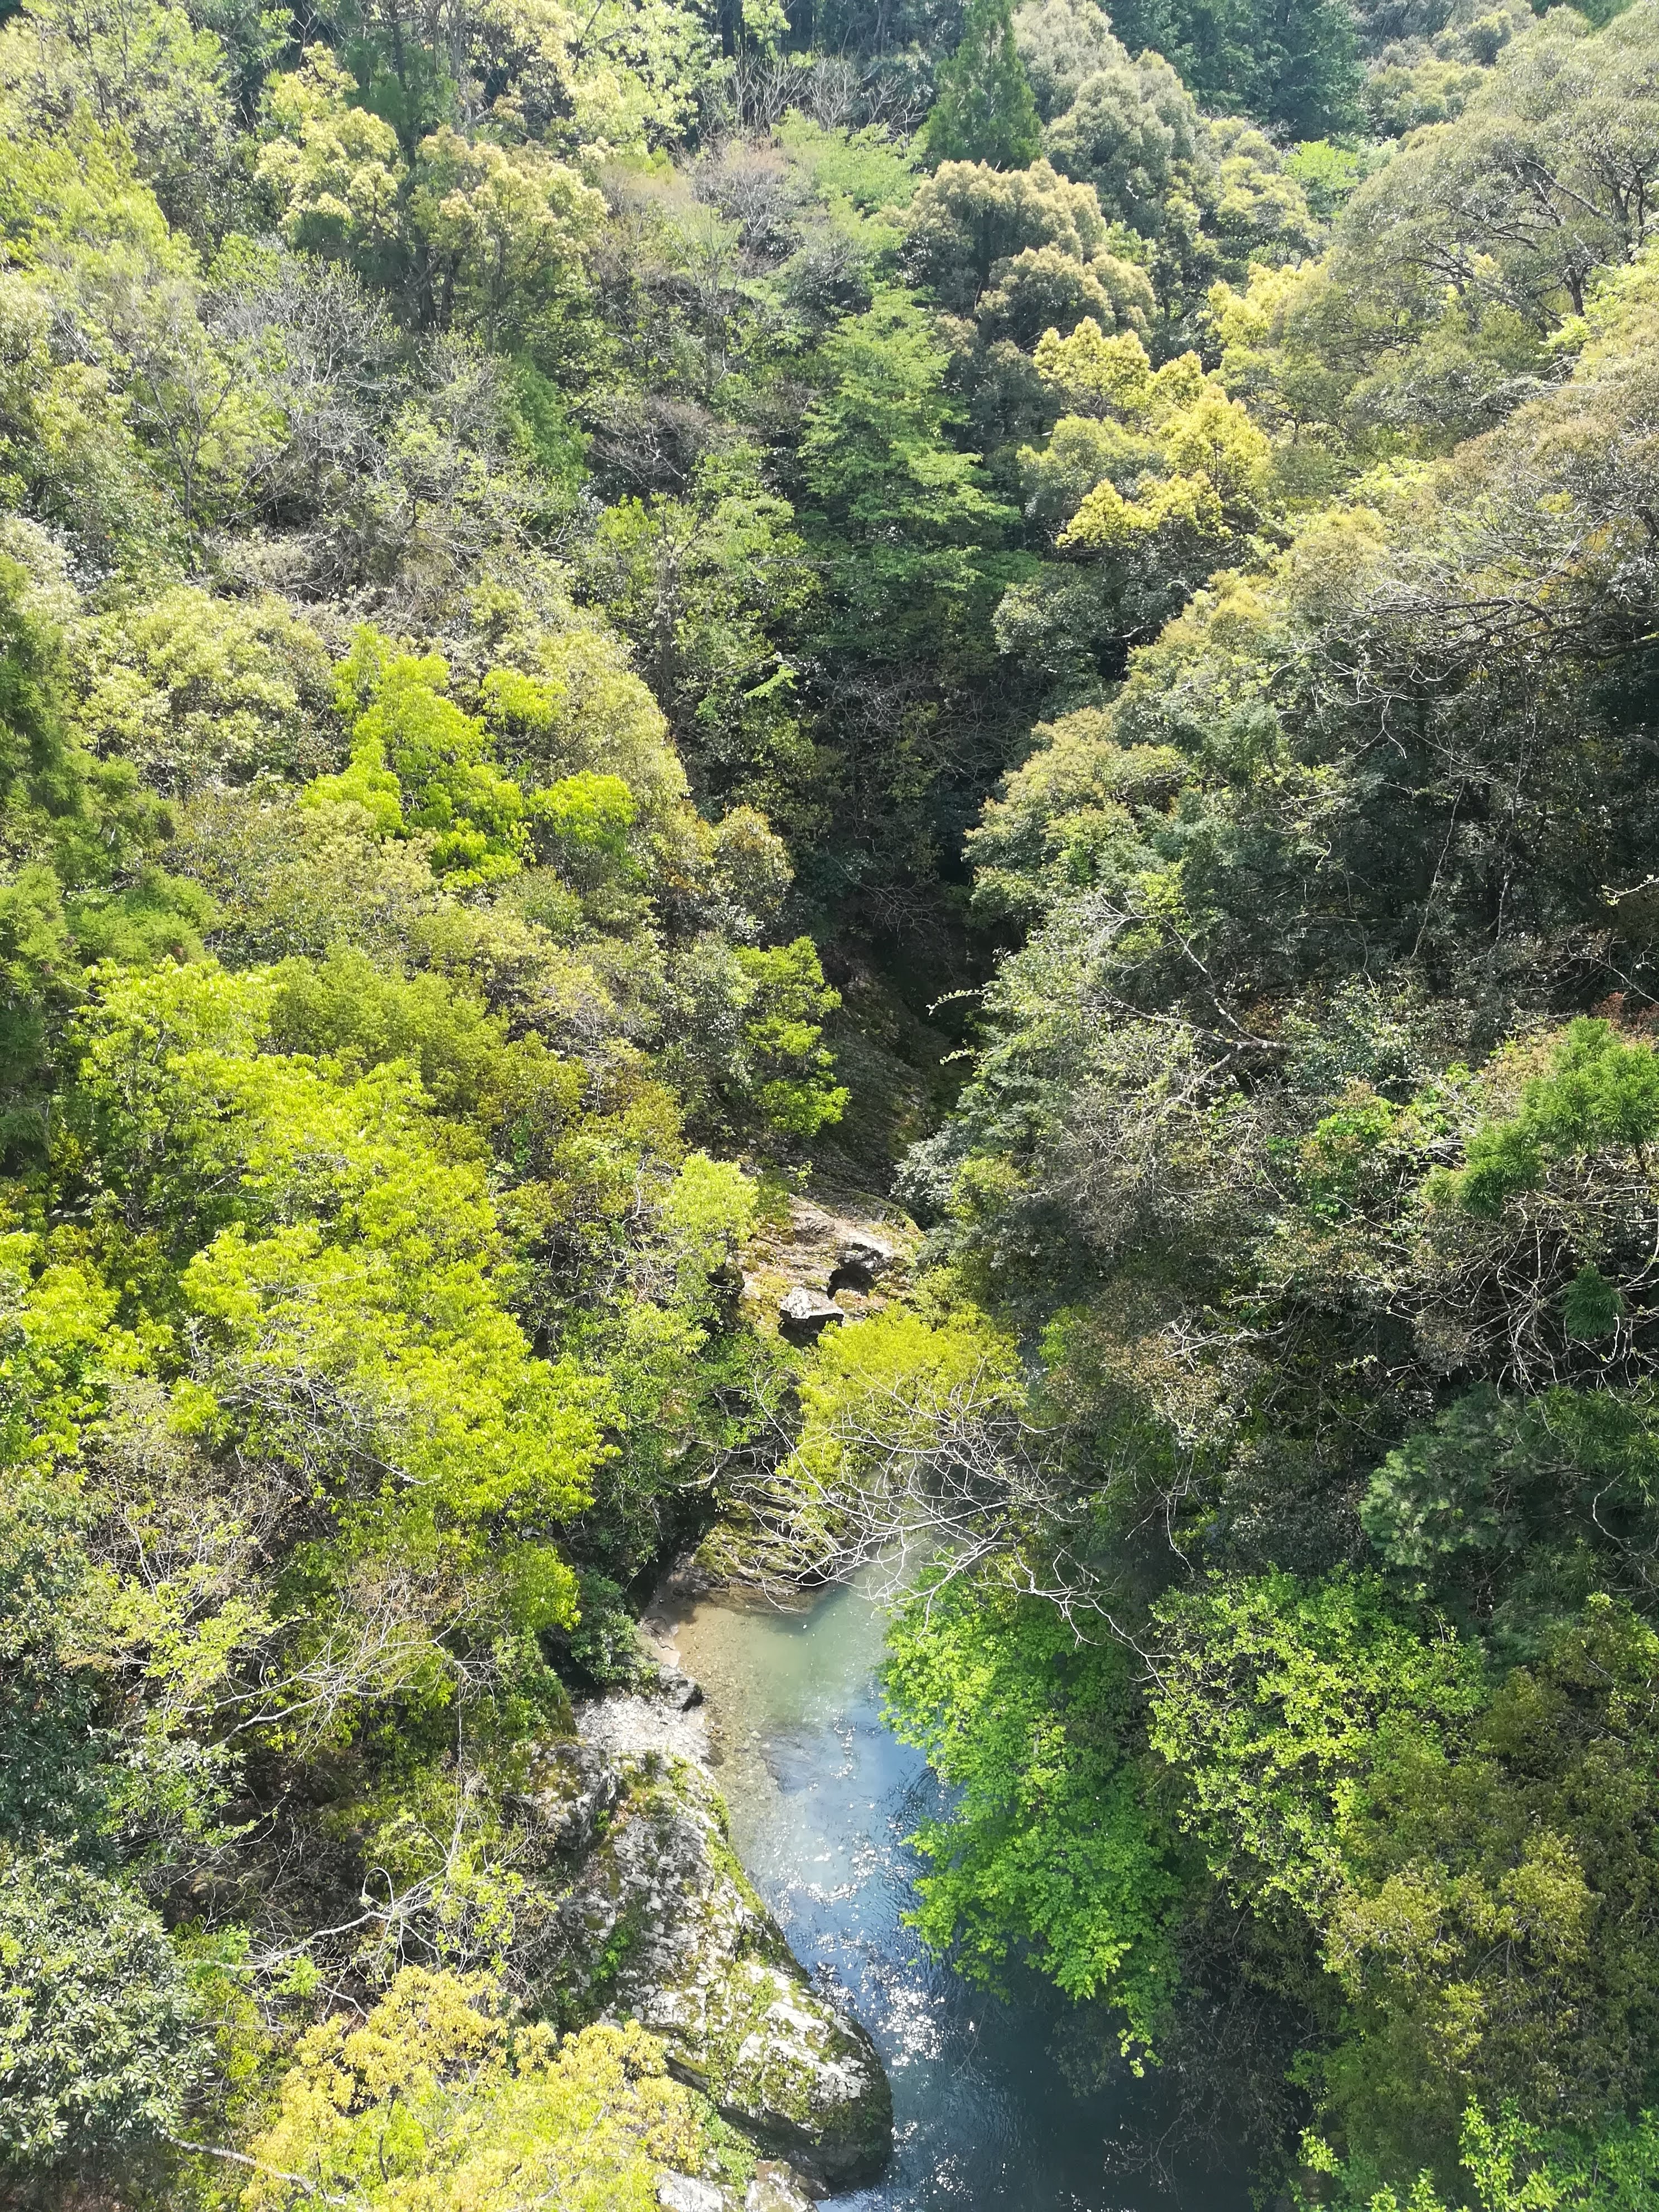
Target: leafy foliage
x=1050, y=1850
x=429, y=2103
x=530, y=540
x=985, y=110
x=99, y=2035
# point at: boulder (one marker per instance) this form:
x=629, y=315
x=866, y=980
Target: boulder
x=660, y=1924
x=803, y=1315
x=690, y=1577
x=776, y=2188
x=861, y=1249
x=683, y=2192
x=678, y=1690
x=859, y=1259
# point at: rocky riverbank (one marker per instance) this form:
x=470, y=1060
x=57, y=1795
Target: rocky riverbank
x=659, y=1924
x=655, y=1919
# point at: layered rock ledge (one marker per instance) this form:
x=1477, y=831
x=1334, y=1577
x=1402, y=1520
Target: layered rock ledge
x=659, y=1924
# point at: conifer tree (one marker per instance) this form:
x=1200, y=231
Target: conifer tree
x=985, y=110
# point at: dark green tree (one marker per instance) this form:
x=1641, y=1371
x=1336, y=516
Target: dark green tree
x=100, y=2041
x=985, y=110
x=1289, y=63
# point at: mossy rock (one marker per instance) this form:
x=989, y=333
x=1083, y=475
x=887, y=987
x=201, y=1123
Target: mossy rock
x=659, y=1924
x=784, y=2065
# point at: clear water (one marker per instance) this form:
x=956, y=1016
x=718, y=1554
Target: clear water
x=822, y=1798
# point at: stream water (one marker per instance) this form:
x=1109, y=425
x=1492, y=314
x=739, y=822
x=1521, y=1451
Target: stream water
x=822, y=1797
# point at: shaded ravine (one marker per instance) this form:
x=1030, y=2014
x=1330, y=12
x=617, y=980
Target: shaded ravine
x=821, y=1796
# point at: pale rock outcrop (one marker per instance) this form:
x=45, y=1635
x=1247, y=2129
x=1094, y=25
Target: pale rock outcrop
x=659, y=1924
x=683, y=2192
x=803, y=1313
x=775, y=2188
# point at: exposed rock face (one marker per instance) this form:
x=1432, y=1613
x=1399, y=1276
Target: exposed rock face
x=661, y=1925
x=802, y=1313
x=825, y=1266
x=775, y=2188
x=683, y=2192
x=679, y=1690
x=861, y=1257
x=819, y=1237
x=861, y=1248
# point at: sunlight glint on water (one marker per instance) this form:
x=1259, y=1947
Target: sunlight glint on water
x=821, y=1797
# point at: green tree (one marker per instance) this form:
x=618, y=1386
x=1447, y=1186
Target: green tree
x=985, y=110
x=1051, y=1852
x=747, y=1050
x=909, y=511
x=1062, y=42
x=1291, y=65
x=969, y=222
x=101, y=2037
x=434, y=2102
x=712, y=587
x=1600, y=1095
x=154, y=74
x=1512, y=2165
x=1546, y=178
x=76, y=885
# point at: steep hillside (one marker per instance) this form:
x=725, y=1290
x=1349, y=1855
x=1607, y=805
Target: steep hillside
x=639, y=642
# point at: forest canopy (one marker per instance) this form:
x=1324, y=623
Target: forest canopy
x=612, y=615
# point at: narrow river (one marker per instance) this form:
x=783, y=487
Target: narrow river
x=822, y=1798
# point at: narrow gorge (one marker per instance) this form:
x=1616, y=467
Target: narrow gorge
x=828, y=1106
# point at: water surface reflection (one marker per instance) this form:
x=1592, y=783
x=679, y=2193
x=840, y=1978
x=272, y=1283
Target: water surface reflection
x=822, y=1798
